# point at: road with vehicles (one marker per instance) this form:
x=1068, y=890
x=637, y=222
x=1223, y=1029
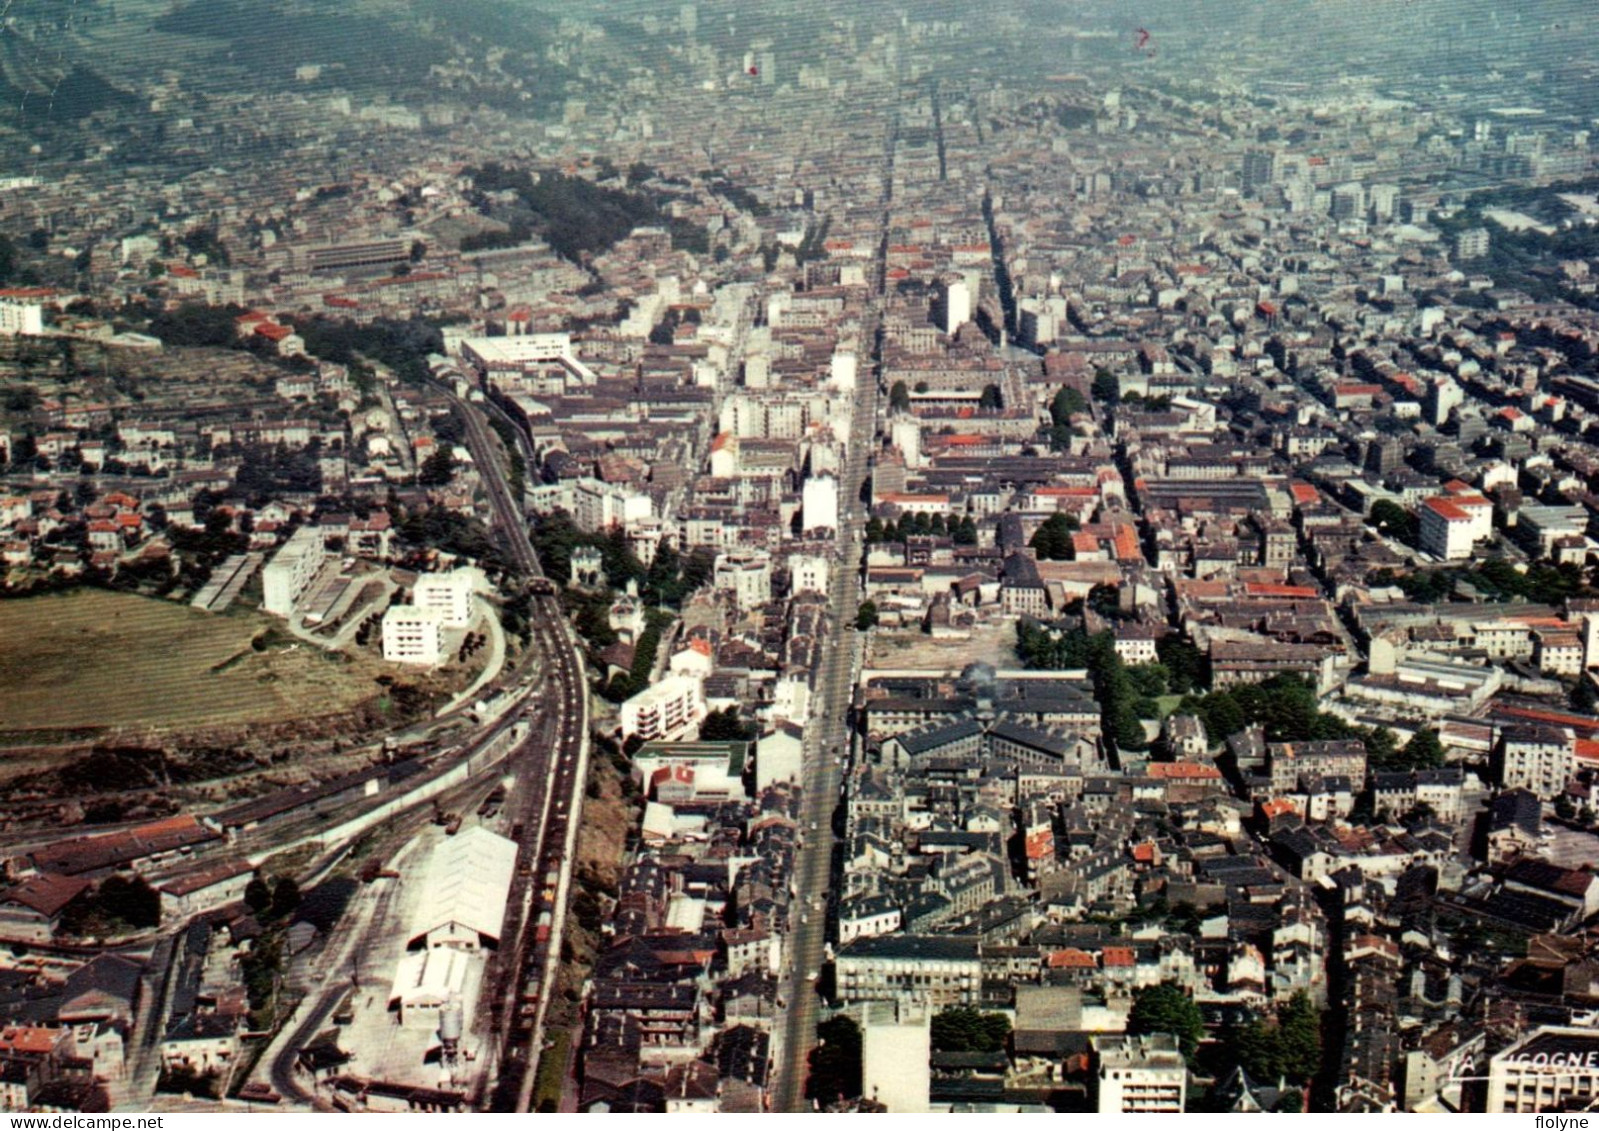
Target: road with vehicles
x=827, y=733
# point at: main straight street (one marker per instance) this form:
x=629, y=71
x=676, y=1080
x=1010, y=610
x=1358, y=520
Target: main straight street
x=827, y=731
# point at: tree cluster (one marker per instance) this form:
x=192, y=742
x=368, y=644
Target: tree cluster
x=1123, y=703
x=1285, y=705
x=726, y=726
x=638, y=677
x=1388, y=517
x=268, y=470
x=1494, y=579
x=274, y=902
x=835, y=1062
x=1053, y=540
x=119, y=903
x=1184, y=663
x=402, y=344
x=578, y=217
x=438, y=469
x=1066, y=403
x=196, y=324
x=1287, y=1047
x=555, y=536
x=438, y=528
x=1165, y=1008
x=1424, y=751
x=963, y=1029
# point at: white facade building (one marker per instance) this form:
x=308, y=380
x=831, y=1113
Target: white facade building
x=896, y=1056
x=819, y=503
x=747, y=576
x=1141, y=1074
x=1553, y=1068
x=843, y=370
x=20, y=315
x=1537, y=758
x=450, y=593
x=954, y=302
x=291, y=571
x=466, y=887
x=664, y=711
x=779, y=756
x=808, y=573
x=412, y=635
x=1447, y=530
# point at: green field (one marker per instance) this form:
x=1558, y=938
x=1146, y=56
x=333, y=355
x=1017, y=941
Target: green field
x=91, y=659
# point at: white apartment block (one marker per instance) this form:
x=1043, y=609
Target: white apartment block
x=1537, y=758
x=20, y=315
x=1558, y=653
x=842, y=370
x=450, y=593
x=291, y=571
x=413, y=635
x=1447, y=530
x=664, y=711
x=1141, y=1074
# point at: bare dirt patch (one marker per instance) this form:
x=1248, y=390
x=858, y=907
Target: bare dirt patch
x=993, y=643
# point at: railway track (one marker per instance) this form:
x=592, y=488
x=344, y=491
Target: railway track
x=550, y=767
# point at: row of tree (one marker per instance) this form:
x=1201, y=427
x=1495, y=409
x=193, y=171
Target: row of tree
x=961, y=529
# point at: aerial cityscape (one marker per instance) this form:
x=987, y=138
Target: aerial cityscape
x=724, y=556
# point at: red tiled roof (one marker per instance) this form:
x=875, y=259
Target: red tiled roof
x=1262, y=589
x=1446, y=509
x=1176, y=771
x=46, y=894
x=35, y=1040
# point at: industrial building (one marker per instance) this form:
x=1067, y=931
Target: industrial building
x=428, y=982
x=467, y=884
x=541, y=364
